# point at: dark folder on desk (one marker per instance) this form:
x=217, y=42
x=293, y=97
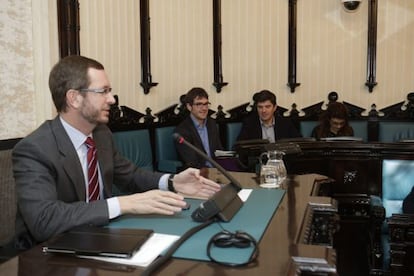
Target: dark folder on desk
x=99, y=241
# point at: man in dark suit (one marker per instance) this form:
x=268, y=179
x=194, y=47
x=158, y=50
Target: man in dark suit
x=51, y=164
x=264, y=124
x=198, y=129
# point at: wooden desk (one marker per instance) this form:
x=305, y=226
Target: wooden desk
x=355, y=166
x=286, y=236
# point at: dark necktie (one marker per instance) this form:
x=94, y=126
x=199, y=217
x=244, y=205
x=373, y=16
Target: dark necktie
x=93, y=184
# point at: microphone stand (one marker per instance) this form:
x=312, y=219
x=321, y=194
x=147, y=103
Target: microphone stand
x=225, y=203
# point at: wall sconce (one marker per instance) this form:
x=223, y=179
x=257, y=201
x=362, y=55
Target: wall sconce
x=351, y=5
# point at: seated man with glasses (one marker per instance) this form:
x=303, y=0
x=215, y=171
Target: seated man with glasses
x=198, y=129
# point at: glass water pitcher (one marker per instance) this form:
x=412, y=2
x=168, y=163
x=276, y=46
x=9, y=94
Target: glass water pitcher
x=273, y=170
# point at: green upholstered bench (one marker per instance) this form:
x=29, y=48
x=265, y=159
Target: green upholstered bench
x=232, y=132
x=134, y=145
x=166, y=156
x=395, y=131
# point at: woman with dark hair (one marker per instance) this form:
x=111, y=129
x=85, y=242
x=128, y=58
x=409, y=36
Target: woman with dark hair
x=333, y=122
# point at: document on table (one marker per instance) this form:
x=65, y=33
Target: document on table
x=224, y=153
x=244, y=194
x=148, y=252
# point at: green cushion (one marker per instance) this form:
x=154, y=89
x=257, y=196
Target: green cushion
x=165, y=153
x=233, y=130
x=135, y=145
x=395, y=131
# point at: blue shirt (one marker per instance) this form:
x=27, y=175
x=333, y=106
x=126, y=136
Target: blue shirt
x=203, y=133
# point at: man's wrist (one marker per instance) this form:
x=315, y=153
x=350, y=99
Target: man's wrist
x=171, y=183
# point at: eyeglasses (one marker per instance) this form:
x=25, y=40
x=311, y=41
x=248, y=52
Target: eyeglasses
x=206, y=104
x=104, y=91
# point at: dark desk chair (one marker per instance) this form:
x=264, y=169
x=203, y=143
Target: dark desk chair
x=397, y=182
x=8, y=206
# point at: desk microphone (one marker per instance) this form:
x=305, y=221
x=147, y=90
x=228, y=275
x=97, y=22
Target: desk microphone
x=180, y=139
x=225, y=203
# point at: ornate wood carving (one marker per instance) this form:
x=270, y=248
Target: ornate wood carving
x=217, y=39
x=68, y=27
x=402, y=110
x=401, y=231
x=146, y=78
x=292, y=46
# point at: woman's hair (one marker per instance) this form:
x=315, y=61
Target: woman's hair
x=335, y=110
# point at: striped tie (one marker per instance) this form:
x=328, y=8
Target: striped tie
x=93, y=185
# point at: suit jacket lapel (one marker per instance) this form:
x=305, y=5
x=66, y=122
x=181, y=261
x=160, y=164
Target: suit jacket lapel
x=71, y=163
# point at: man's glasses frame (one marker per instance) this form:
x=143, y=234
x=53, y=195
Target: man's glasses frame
x=104, y=91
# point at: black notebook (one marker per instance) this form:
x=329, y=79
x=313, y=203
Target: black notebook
x=99, y=241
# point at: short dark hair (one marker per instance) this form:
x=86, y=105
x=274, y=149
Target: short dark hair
x=70, y=72
x=264, y=95
x=195, y=92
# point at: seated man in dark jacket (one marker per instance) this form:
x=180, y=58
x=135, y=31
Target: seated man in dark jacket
x=408, y=203
x=265, y=124
x=198, y=129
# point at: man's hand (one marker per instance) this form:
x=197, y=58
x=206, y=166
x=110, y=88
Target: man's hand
x=191, y=184
x=152, y=202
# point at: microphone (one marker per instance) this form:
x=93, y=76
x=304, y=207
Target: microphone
x=225, y=203
x=180, y=139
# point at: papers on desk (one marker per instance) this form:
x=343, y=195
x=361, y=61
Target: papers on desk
x=244, y=194
x=224, y=153
x=341, y=138
x=148, y=252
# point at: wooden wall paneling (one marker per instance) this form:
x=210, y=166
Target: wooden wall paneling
x=292, y=46
x=217, y=54
x=146, y=77
x=68, y=27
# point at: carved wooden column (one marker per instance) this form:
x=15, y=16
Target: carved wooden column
x=292, y=46
x=68, y=27
x=218, y=72
x=146, y=78
x=372, y=44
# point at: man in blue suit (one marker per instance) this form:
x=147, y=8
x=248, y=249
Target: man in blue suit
x=50, y=165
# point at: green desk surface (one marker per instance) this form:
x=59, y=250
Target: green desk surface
x=253, y=218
